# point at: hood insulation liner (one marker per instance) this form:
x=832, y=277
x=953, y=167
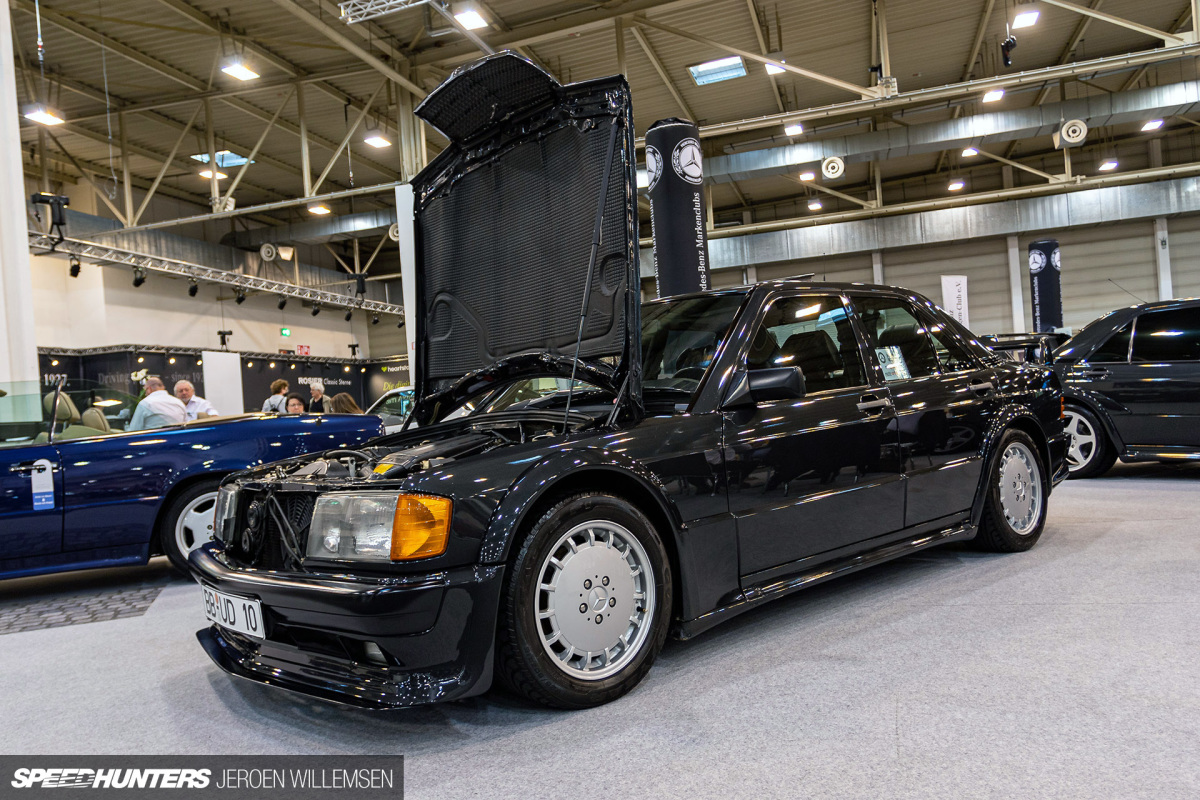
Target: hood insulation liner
x=505, y=218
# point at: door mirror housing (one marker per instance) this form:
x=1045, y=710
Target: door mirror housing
x=766, y=385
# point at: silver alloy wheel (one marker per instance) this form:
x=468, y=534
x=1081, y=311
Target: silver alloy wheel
x=194, y=526
x=595, y=600
x=1085, y=441
x=1020, y=488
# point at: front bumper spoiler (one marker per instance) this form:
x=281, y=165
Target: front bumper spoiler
x=1058, y=446
x=325, y=634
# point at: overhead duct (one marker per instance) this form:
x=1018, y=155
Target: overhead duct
x=1033, y=215
x=316, y=231
x=980, y=129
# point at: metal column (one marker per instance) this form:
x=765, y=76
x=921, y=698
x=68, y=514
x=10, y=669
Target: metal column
x=18, y=346
x=1162, y=259
x=1016, y=284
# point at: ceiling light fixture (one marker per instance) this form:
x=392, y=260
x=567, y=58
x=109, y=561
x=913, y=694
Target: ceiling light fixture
x=795, y=129
x=814, y=205
x=1026, y=19
x=237, y=68
x=956, y=185
x=139, y=277
x=193, y=289
x=775, y=69
x=469, y=16
x=722, y=69
x=316, y=309
x=43, y=114
x=74, y=262
x=808, y=176
x=207, y=174
x=993, y=95
x=349, y=315
x=1108, y=165
x=1152, y=125
x=375, y=320
x=240, y=297
x=375, y=138
x=970, y=151
x=320, y=209
x=282, y=302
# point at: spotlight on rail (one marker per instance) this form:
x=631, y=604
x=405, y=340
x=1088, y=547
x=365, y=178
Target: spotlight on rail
x=193, y=289
x=74, y=261
x=375, y=320
x=139, y=277
x=349, y=315
x=282, y=302
x=316, y=309
x=240, y=297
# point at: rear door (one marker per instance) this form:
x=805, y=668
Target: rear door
x=944, y=398
x=812, y=475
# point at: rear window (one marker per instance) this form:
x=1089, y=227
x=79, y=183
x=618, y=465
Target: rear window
x=1168, y=336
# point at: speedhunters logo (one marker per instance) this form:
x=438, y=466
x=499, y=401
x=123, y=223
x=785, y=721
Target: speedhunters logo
x=68, y=778
x=360, y=777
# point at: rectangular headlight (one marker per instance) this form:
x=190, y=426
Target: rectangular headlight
x=227, y=497
x=379, y=526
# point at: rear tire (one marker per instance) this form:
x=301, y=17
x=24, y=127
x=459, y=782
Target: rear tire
x=187, y=522
x=1090, y=452
x=1014, y=510
x=586, y=604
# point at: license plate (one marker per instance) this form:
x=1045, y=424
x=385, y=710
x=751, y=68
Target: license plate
x=240, y=614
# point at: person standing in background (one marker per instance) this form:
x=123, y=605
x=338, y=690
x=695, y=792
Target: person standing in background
x=196, y=406
x=157, y=409
x=277, y=402
x=317, y=404
x=343, y=403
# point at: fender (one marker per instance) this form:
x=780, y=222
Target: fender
x=1099, y=405
x=548, y=473
x=1004, y=419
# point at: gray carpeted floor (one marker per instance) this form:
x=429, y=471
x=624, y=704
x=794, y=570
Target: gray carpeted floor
x=1069, y=671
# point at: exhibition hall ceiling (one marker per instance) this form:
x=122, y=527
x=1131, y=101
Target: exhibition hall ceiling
x=157, y=60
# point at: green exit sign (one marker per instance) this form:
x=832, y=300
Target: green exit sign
x=285, y=331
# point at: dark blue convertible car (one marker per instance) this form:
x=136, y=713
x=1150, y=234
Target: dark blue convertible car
x=76, y=494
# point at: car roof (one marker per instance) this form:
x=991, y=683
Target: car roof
x=823, y=287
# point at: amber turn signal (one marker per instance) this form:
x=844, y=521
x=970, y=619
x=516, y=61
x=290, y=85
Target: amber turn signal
x=420, y=527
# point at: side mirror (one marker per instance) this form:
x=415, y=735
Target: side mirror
x=766, y=385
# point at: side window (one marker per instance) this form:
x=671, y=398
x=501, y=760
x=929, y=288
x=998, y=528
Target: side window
x=951, y=356
x=1167, y=336
x=814, y=333
x=1115, y=349
x=901, y=341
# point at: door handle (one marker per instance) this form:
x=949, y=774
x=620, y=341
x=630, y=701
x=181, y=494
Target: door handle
x=870, y=403
x=27, y=468
x=983, y=387
x=1095, y=374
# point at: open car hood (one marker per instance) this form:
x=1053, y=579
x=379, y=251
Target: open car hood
x=505, y=222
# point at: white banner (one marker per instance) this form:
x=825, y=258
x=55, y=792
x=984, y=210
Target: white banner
x=954, y=298
x=223, y=381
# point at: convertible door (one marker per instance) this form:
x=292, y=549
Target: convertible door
x=28, y=528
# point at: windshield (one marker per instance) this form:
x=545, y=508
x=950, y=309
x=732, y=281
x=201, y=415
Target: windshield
x=681, y=337
x=24, y=419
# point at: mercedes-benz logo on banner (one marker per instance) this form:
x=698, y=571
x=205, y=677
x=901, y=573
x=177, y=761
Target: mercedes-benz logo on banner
x=653, y=166
x=1056, y=260
x=1037, y=261
x=686, y=161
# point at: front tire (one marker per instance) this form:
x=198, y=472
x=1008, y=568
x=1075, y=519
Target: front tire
x=586, y=605
x=188, y=521
x=1014, y=510
x=1090, y=453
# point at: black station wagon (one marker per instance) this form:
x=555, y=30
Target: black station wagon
x=589, y=474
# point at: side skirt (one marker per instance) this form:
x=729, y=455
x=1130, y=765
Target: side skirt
x=830, y=569
x=1152, y=453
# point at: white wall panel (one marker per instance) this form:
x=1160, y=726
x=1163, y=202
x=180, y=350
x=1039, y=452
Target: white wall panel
x=1103, y=268
x=1184, y=235
x=983, y=261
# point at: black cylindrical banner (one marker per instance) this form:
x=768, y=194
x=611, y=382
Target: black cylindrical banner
x=1045, y=285
x=677, y=207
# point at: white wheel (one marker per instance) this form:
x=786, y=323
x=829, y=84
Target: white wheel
x=1020, y=488
x=595, y=600
x=1085, y=441
x=194, y=526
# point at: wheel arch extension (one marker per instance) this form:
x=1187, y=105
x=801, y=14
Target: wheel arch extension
x=1011, y=418
x=573, y=472
x=1093, y=404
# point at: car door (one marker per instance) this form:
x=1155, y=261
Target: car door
x=1158, y=387
x=944, y=398
x=813, y=475
x=29, y=525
